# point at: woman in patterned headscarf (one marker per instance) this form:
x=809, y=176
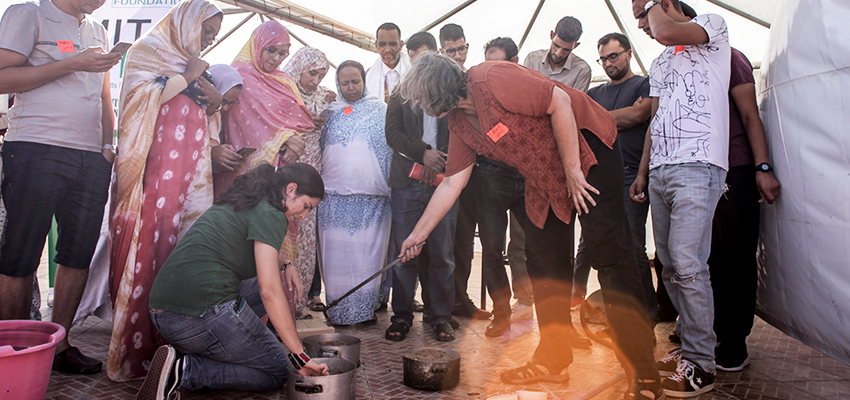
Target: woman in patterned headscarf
x=164, y=176
x=271, y=115
x=308, y=67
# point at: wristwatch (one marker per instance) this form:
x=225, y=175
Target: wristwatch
x=110, y=147
x=650, y=5
x=764, y=167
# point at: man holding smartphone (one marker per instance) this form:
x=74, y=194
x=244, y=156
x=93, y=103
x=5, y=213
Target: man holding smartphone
x=57, y=158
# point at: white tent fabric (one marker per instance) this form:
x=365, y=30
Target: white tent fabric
x=487, y=19
x=804, y=280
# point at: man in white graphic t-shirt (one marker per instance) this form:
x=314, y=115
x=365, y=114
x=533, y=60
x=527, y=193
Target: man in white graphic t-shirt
x=685, y=160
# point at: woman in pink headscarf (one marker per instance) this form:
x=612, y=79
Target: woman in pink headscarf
x=271, y=115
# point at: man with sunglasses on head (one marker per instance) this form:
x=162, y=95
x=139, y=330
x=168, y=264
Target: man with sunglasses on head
x=558, y=62
x=626, y=97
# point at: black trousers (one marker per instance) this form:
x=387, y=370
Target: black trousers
x=465, y=239
x=609, y=247
x=732, y=262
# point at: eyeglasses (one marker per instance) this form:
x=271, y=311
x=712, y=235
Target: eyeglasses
x=207, y=32
x=612, y=58
x=229, y=103
x=459, y=50
x=274, y=52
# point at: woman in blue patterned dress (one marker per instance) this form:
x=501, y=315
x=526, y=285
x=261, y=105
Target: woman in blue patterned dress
x=354, y=218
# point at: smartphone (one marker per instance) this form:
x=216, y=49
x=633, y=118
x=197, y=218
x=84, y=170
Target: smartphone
x=246, y=151
x=327, y=113
x=120, y=47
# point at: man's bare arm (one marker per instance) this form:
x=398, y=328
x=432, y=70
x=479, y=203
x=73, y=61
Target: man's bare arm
x=631, y=116
x=637, y=192
x=744, y=96
x=566, y=134
x=107, y=117
x=16, y=77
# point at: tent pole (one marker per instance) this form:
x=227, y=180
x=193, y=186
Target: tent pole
x=239, y=25
x=623, y=31
x=530, y=23
x=448, y=15
x=740, y=12
x=305, y=44
x=285, y=10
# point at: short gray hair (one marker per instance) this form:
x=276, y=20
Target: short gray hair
x=435, y=83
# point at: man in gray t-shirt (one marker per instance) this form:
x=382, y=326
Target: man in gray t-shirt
x=58, y=153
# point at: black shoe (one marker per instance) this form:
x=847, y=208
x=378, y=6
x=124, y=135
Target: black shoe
x=689, y=381
x=668, y=364
x=674, y=338
x=163, y=378
x=727, y=362
x=498, y=326
x=72, y=361
x=469, y=310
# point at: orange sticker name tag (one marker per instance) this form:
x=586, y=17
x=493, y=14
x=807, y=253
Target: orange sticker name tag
x=66, y=46
x=348, y=110
x=678, y=49
x=497, y=132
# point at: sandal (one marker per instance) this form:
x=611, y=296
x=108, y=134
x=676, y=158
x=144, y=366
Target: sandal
x=533, y=372
x=444, y=332
x=315, y=304
x=397, y=331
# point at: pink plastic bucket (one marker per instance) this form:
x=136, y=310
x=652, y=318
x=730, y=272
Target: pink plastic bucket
x=26, y=357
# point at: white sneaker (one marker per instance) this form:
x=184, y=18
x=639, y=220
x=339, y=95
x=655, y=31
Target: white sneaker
x=520, y=312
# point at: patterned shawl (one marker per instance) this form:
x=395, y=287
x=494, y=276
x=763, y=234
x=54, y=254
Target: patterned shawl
x=309, y=59
x=271, y=109
x=162, y=53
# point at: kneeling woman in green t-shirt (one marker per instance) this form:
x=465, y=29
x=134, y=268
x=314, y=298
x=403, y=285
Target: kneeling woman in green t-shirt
x=195, y=301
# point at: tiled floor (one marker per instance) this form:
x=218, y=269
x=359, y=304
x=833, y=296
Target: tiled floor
x=782, y=367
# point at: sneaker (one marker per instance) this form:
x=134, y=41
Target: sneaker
x=690, y=380
x=668, y=364
x=521, y=312
x=731, y=364
x=576, y=302
x=163, y=378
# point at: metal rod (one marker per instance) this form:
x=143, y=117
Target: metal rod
x=306, y=45
x=740, y=12
x=601, y=387
x=530, y=23
x=231, y=11
x=447, y=15
x=622, y=27
x=226, y=35
x=305, y=18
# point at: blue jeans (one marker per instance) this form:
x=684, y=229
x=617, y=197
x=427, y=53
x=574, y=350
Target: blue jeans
x=636, y=214
x=683, y=198
x=227, y=347
x=407, y=205
x=499, y=190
